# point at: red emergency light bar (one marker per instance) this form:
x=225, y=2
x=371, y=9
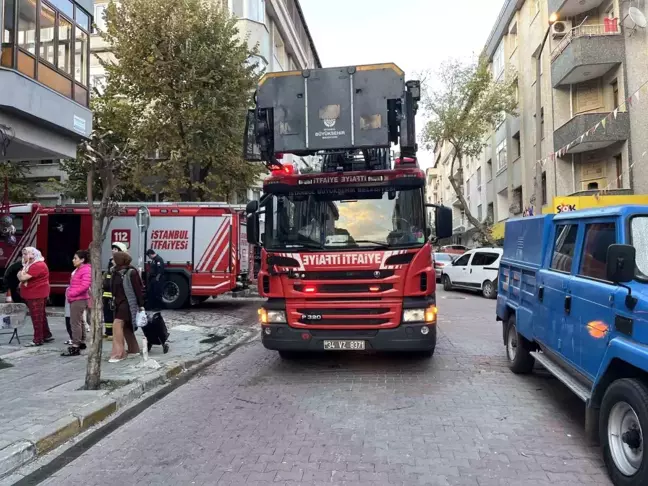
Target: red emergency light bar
x=285, y=169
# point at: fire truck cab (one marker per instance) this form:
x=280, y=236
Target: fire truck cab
x=347, y=252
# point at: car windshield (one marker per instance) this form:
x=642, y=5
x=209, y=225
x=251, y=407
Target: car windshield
x=337, y=221
x=639, y=229
x=442, y=257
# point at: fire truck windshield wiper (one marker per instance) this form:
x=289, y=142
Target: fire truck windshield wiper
x=377, y=243
x=306, y=243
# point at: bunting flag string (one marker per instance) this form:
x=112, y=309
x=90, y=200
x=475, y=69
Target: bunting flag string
x=618, y=181
x=627, y=103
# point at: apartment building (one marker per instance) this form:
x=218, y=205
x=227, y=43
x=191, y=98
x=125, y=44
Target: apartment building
x=594, y=59
x=44, y=75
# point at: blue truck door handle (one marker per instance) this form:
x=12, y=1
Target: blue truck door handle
x=541, y=293
x=568, y=301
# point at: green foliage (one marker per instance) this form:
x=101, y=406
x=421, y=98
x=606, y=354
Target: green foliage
x=19, y=189
x=467, y=104
x=188, y=66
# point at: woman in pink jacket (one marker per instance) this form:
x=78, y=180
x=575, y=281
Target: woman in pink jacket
x=77, y=295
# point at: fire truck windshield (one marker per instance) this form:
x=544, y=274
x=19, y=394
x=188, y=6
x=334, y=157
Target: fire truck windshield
x=394, y=219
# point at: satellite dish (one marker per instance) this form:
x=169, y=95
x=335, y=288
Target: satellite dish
x=636, y=19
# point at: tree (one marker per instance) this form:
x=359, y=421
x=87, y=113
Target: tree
x=15, y=173
x=188, y=65
x=103, y=159
x=467, y=104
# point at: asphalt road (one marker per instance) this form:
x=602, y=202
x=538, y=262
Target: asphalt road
x=461, y=418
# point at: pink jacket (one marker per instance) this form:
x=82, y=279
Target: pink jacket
x=80, y=282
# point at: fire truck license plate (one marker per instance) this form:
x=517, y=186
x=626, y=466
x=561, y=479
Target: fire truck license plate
x=344, y=345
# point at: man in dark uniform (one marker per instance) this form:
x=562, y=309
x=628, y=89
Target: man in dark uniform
x=155, y=280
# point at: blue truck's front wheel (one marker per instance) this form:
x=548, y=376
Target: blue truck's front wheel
x=622, y=431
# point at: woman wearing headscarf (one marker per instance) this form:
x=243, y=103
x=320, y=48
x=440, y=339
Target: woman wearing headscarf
x=128, y=300
x=35, y=289
x=77, y=296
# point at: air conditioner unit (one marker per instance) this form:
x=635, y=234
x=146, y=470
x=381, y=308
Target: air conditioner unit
x=561, y=28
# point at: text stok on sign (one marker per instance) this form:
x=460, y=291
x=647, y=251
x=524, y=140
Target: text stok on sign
x=169, y=240
x=343, y=259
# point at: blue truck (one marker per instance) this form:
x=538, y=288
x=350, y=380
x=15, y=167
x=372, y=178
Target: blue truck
x=573, y=297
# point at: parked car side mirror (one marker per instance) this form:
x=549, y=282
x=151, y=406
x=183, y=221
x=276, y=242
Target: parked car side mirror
x=620, y=263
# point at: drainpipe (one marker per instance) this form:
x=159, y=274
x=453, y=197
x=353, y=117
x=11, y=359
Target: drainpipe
x=573, y=174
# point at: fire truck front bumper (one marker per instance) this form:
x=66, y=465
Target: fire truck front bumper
x=406, y=337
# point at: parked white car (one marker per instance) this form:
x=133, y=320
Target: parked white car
x=474, y=270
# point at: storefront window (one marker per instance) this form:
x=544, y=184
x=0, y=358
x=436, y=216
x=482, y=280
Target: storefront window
x=81, y=57
x=47, y=38
x=27, y=25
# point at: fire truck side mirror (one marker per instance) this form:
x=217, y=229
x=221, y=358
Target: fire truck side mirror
x=251, y=210
x=442, y=222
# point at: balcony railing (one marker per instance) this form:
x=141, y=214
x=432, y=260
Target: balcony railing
x=585, y=30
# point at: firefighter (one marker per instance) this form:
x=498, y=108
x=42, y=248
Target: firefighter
x=155, y=280
x=107, y=293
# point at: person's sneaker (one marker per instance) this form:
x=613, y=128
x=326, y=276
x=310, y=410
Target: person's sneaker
x=116, y=360
x=68, y=342
x=33, y=344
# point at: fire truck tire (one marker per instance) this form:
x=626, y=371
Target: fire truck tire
x=175, y=294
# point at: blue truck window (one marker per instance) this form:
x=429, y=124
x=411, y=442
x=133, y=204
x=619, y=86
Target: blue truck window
x=598, y=237
x=639, y=239
x=564, y=245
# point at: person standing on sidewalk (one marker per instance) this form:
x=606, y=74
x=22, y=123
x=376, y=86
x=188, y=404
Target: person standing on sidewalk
x=107, y=291
x=35, y=289
x=128, y=299
x=77, y=295
x=155, y=282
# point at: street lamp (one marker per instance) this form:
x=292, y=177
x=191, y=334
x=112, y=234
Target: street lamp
x=537, y=183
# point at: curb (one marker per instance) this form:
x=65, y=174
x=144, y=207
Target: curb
x=18, y=454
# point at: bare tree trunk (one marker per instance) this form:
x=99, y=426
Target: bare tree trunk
x=457, y=185
x=93, y=370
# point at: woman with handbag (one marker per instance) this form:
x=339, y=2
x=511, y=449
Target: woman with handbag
x=128, y=300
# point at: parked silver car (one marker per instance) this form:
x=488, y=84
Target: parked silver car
x=440, y=261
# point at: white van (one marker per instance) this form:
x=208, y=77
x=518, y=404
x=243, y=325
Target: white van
x=474, y=270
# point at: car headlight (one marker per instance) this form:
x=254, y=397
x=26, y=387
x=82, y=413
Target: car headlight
x=275, y=317
x=414, y=315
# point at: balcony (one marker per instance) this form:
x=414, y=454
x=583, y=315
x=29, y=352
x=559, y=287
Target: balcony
x=459, y=225
x=571, y=8
x=616, y=130
x=586, y=52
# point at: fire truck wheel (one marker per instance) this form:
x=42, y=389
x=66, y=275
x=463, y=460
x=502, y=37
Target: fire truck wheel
x=176, y=292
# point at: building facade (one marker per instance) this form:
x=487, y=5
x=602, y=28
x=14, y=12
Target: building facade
x=44, y=80
x=593, y=61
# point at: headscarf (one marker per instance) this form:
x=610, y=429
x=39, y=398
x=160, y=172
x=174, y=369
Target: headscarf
x=122, y=259
x=33, y=256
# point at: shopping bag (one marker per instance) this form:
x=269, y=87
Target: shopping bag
x=141, y=319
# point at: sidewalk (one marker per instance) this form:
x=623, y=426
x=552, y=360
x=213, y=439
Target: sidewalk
x=42, y=398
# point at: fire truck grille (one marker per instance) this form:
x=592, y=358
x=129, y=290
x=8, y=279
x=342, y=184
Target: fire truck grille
x=334, y=312
x=350, y=275
x=345, y=288
x=345, y=322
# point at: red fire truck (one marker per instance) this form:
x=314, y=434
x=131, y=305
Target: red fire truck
x=347, y=252
x=204, y=244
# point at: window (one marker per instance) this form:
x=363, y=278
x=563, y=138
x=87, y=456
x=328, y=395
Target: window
x=18, y=223
x=489, y=170
x=639, y=239
x=99, y=17
x=498, y=61
x=81, y=57
x=619, y=170
x=517, y=146
x=615, y=93
x=47, y=40
x=598, y=238
x=65, y=46
x=479, y=180
x=256, y=10
x=564, y=246
x=482, y=259
x=544, y=188
x=462, y=261
x=82, y=19
x=501, y=155
x=27, y=25
x=64, y=6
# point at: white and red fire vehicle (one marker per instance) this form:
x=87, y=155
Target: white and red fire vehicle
x=204, y=245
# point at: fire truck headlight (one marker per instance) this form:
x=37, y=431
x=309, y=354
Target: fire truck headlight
x=276, y=317
x=414, y=315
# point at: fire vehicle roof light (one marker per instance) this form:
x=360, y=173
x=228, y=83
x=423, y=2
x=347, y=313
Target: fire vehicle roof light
x=285, y=169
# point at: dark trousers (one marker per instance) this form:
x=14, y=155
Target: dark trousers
x=39, y=319
x=108, y=316
x=154, y=294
